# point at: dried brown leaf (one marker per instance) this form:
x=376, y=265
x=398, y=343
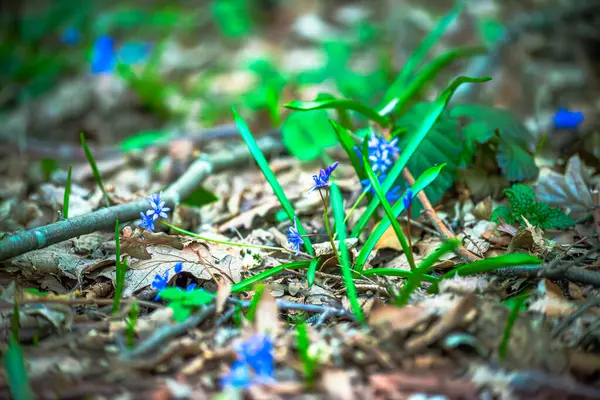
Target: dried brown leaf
x=266, y=319
x=337, y=384
x=223, y=292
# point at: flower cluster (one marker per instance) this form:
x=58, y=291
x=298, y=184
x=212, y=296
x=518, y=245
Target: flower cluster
x=381, y=155
x=294, y=238
x=565, y=119
x=254, y=364
x=322, y=179
x=157, y=209
x=391, y=196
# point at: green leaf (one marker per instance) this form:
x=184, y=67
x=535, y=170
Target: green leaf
x=67, y=194
x=348, y=145
x=270, y=176
x=249, y=282
x=550, y=218
x=502, y=212
x=95, y=170
x=421, y=183
x=232, y=17
x=309, y=365
x=388, y=211
x=522, y=200
x=491, y=31
x=491, y=264
x=344, y=104
x=337, y=205
x=395, y=272
x=418, y=55
x=515, y=309
x=400, y=96
x=516, y=143
x=307, y=134
x=412, y=144
x=200, y=197
x=49, y=165
x=312, y=270
x=16, y=372
x=143, y=140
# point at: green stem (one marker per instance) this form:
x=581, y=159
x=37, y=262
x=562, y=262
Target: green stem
x=327, y=227
x=356, y=203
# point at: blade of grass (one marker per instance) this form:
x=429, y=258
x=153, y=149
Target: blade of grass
x=120, y=269
x=394, y=272
x=14, y=362
x=67, y=195
x=95, y=170
x=247, y=283
x=337, y=206
x=424, y=180
x=415, y=280
x=312, y=270
x=411, y=147
x=308, y=363
x=510, y=322
x=429, y=72
x=388, y=211
x=270, y=177
x=348, y=144
x=344, y=104
x=418, y=55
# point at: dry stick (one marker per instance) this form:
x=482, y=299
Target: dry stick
x=571, y=274
x=436, y=221
x=105, y=218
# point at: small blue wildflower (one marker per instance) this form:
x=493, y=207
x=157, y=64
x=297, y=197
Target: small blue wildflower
x=104, y=59
x=178, y=267
x=134, y=52
x=381, y=153
x=160, y=282
x=147, y=222
x=158, y=207
x=407, y=198
x=565, y=119
x=191, y=287
x=322, y=180
x=70, y=36
x=294, y=238
x=391, y=196
x=255, y=364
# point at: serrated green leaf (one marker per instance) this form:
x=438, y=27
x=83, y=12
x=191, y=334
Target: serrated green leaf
x=502, y=212
x=200, y=197
x=516, y=143
x=344, y=104
x=522, y=200
x=307, y=134
x=550, y=218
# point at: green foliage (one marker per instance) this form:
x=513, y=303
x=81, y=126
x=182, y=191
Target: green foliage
x=14, y=362
x=511, y=137
x=131, y=322
x=49, y=165
x=312, y=270
x=421, y=183
x=337, y=205
x=232, y=17
x=491, y=31
x=516, y=306
x=67, y=194
x=95, y=170
x=347, y=142
x=388, y=211
x=249, y=282
x=523, y=205
x=395, y=272
x=183, y=303
x=306, y=135
x=344, y=104
x=258, y=292
x=265, y=93
x=120, y=270
x=200, y=197
x=309, y=364
x=411, y=144
x=270, y=176
x=143, y=140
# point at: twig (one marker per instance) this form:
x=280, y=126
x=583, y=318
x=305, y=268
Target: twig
x=99, y=302
x=542, y=271
x=576, y=314
x=105, y=218
x=436, y=221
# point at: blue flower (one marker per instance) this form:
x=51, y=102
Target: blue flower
x=255, y=364
x=381, y=153
x=294, y=238
x=191, y=287
x=158, y=208
x=104, y=59
x=565, y=119
x=178, y=267
x=70, y=36
x=147, y=222
x=407, y=198
x=160, y=282
x=322, y=180
x=391, y=196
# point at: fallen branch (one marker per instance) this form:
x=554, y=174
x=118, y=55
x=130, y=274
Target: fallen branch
x=571, y=274
x=436, y=221
x=105, y=218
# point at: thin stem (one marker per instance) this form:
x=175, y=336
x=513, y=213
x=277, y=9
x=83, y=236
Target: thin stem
x=326, y=219
x=356, y=203
x=194, y=235
x=412, y=259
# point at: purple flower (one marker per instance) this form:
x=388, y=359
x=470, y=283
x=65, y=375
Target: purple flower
x=322, y=180
x=255, y=364
x=294, y=238
x=158, y=207
x=104, y=59
x=147, y=222
x=160, y=282
x=565, y=119
x=391, y=196
x=407, y=198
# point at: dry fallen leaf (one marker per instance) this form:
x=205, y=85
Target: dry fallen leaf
x=223, y=292
x=337, y=384
x=266, y=319
x=136, y=244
